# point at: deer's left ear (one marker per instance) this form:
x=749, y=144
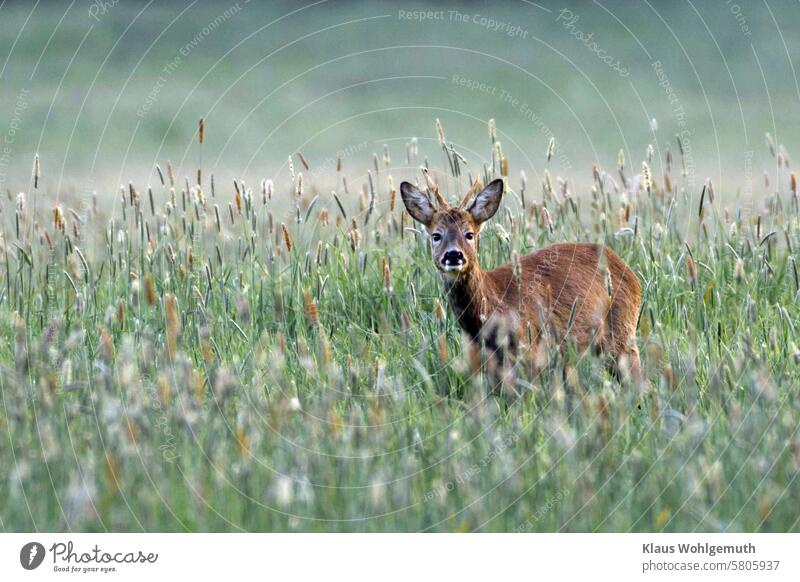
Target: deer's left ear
x=487, y=202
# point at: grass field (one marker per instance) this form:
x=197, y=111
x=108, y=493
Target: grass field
x=202, y=358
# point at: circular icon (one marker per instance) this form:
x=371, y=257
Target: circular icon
x=31, y=555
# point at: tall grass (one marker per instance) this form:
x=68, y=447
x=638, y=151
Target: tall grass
x=207, y=357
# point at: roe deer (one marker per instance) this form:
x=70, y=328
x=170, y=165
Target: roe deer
x=580, y=291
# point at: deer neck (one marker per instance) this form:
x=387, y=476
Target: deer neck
x=470, y=296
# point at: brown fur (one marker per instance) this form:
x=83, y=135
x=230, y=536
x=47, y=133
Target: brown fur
x=539, y=302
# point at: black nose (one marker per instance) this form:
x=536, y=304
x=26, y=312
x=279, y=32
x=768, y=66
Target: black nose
x=453, y=258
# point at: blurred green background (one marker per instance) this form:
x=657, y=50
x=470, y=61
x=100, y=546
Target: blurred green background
x=104, y=90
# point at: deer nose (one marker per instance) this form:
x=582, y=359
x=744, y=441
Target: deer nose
x=453, y=258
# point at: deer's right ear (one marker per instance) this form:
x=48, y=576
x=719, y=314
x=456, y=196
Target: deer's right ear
x=417, y=204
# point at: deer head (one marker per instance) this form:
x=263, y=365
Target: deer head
x=453, y=230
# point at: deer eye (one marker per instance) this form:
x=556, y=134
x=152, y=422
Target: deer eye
x=470, y=235
x=436, y=237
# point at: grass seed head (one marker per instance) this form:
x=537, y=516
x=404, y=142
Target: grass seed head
x=392, y=193
x=121, y=313
x=287, y=238
x=58, y=218
x=647, y=178
x=311, y=308
x=692, y=269
x=354, y=235
x=438, y=310
x=149, y=289
x=387, y=276
x=303, y=160
x=440, y=133
x=106, y=345
x=444, y=352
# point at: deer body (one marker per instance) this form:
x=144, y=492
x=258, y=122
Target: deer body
x=582, y=292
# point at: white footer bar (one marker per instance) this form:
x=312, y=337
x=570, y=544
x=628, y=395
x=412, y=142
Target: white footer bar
x=353, y=557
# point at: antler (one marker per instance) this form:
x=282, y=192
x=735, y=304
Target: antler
x=435, y=189
x=474, y=189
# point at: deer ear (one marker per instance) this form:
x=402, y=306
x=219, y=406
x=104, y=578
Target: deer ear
x=487, y=202
x=417, y=203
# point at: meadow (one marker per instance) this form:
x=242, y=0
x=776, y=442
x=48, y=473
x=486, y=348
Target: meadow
x=212, y=355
